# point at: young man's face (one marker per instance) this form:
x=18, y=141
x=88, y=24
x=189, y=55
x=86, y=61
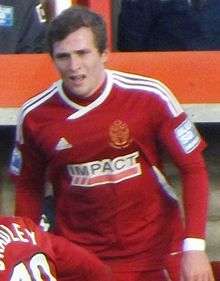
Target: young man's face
x=80, y=64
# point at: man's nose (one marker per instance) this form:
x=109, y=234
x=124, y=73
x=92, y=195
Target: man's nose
x=75, y=62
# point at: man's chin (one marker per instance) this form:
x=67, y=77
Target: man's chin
x=76, y=91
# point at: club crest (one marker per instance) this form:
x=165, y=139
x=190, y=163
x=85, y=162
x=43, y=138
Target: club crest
x=119, y=134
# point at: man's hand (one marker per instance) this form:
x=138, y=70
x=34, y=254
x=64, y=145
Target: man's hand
x=196, y=267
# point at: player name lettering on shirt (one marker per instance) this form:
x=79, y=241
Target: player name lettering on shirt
x=105, y=171
x=13, y=234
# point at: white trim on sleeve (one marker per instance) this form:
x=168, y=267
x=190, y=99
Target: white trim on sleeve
x=194, y=244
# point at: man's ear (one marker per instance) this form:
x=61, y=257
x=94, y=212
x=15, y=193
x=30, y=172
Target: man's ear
x=105, y=55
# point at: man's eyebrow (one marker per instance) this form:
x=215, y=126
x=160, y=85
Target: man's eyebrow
x=61, y=54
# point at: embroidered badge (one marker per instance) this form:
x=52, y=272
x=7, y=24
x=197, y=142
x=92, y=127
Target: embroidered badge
x=119, y=134
x=6, y=16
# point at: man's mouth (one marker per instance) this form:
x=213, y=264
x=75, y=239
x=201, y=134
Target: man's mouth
x=77, y=78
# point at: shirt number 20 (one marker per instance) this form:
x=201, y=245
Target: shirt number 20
x=38, y=267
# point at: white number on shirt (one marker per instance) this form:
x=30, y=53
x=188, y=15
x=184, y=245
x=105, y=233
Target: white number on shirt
x=38, y=267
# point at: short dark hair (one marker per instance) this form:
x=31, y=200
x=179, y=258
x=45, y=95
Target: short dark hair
x=71, y=20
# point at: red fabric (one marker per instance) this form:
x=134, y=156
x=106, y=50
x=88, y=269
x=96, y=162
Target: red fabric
x=25, y=250
x=99, y=160
x=140, y=276
x=196, y=177
x=216, y=269
x=173, y=265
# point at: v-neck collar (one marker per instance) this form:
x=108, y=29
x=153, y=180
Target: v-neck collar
x=101, y=95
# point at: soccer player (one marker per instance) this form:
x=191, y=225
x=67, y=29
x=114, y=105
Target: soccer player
x=27, y=253
x=96, y=136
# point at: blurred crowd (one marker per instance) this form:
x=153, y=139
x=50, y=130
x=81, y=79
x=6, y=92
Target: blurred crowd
x=168, y=25
x=142, y=25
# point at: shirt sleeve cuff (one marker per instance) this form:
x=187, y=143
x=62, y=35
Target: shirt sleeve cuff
x=194, y=244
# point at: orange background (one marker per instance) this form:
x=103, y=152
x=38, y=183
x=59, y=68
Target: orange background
x=194, y=77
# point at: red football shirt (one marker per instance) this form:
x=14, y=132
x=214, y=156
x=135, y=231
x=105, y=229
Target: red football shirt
x=103, y=159
x=27, y=253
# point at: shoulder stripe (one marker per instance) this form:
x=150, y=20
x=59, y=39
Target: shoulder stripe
x=29, y=106
x=153, y=86
x=38, y=97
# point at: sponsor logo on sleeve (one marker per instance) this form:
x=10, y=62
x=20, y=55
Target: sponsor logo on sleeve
x=16, y=162
x=187, y=136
